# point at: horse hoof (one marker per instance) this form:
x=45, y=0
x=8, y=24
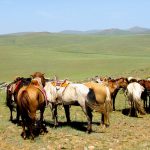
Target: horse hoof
x=88, y=131
x=23, y=135
x=32, y=138
x=56, y=125
x=107, y=125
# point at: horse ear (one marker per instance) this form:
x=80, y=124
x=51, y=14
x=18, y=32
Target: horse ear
x=55, y=78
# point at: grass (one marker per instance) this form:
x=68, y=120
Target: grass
x=76, y=57
x=124, y=132
x=73, y=56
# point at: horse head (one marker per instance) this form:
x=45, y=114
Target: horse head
x=122, y=82
x=40, y=75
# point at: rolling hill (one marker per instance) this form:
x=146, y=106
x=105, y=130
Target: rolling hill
x=74, y=56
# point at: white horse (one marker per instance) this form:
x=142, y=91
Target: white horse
x=134, y=91
x=88, y=96
x=68, y=94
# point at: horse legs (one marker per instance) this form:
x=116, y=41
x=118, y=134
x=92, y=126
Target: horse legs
x=67, y=113
x=113, y=104
x=144, y=97
x=42, y=127
x=31, y=131
x=105, y=119
x=11, y=114
x=23, y=134
x=18, y=114
x=88, y=112
x=113, y=99
x=133, y=111
x=54, y=114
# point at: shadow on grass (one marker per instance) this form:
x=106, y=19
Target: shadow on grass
x=131, y=113
x=36, y=132
x=81, y=126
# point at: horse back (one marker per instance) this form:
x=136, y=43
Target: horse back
x=99, y=90
x=32, y=96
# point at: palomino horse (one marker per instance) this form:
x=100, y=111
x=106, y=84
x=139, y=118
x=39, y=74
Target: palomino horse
x=114, y=86
x=100, y=101
x=12, y=92
x=134, y=91
x=31, y=98
x=70, y=94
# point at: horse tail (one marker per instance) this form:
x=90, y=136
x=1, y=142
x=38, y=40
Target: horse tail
x=25, y=106
x=93, y=104
x=134, y=91
x=139, y=106
x=108, y=101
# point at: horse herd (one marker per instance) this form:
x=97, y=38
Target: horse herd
x=28, y=95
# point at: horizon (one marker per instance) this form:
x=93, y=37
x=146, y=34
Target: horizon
x=85, y=15
x=97, y=30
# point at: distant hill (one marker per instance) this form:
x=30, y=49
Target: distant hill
x=111, y=31
x=139, y=30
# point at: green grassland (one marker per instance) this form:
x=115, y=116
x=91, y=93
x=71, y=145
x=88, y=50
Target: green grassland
x=76, y=57
x=73, y=56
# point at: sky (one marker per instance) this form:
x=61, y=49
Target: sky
x=58, y=15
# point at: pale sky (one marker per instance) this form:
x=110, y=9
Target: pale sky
x=58, y=15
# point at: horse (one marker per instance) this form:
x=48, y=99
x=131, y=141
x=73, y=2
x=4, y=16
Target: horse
x=30, y=99
x=12, y=92
x=134, y=91
x=100, y=101
x=51, y=89
x=70, y=94
x=146, y=92
x=114, y=86
x=40, y=75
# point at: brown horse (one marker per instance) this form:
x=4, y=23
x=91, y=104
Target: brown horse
x=30, y=99
x=146, y=85
x=12, y=92
x=40, y=75
x=114, y=86
x=100, y=101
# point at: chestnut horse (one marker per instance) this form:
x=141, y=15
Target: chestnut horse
x=12, y=92
x=114, y=86
x=30, y=99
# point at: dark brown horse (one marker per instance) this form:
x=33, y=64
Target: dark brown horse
x=30, y=99
x=12, y=92
x=146, y=93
